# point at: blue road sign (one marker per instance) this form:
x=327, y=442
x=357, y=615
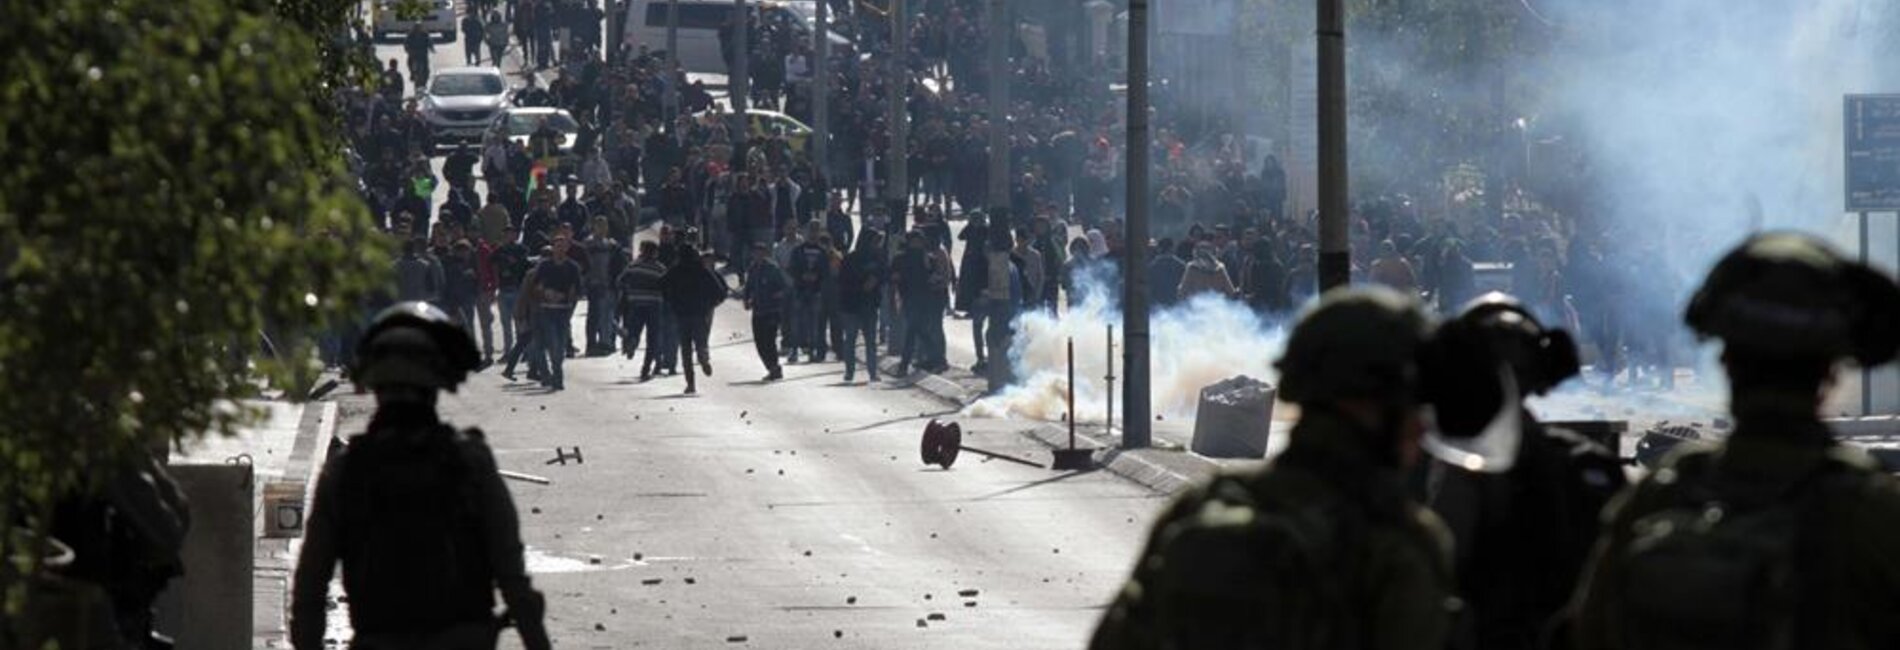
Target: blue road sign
x=1873, y=153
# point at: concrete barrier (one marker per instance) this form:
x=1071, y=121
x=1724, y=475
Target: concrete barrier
x=209, y=608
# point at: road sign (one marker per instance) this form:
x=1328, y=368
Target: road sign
x=1873, y=153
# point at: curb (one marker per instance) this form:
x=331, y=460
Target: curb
x=1124, y=463
x=932, y=383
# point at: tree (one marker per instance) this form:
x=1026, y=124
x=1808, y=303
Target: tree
x=170, y=187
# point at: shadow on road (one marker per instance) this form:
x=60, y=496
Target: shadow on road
x=1036, y=484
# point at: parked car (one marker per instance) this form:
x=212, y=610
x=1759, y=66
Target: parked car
x=460, y=103
x=519, y=124
x=700, y=22
x=437, y=17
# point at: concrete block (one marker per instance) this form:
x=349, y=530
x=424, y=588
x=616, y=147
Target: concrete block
x=210, y=607
x=1234, y=419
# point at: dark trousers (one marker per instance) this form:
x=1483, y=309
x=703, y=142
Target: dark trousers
x=636, y=320
x=693, y=334
x=765, y=331
x=854, y=324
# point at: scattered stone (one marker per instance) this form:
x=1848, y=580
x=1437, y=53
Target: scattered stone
x=748, y=470
x=1056, y=551
x=967, y=593
x=808, y=553
x=837, y=634
x=742, y=414
x=593, y=559
x=544, y=407
x=736, y=638
x=651, y=581
x=971, y=603
x=781, y=472
x=535, y=510
x=637, y=557
x=600, y=517
x=613, y=610
x=937, y=616
x=933, y=535
x=851, y=600
x=927, y=596
x=600, y=628
x=691, y=581
x=921, y=623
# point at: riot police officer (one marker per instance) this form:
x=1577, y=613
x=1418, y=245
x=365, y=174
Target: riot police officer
x=414, y=508
x=1780, y=537
x=1323, y=548
x=1521, y=499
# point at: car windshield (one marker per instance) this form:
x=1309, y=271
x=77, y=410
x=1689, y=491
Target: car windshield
x=458, y=85
x=527, y=123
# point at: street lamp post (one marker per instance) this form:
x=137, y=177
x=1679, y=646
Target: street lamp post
x=1000, y=34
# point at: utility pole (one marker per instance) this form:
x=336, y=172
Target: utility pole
x=898, y=122
x=739, y=83
x=1136, y=420
x=1335, y=254
x=671, y=103
x=821, y=102
x=1000, y=35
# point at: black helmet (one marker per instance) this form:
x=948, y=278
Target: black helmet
x=1786, y=296
x=1492, y=333
x=414, y=344
x=1357, y=342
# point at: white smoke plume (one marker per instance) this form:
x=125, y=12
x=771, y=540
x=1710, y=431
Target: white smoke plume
x=1192, y=345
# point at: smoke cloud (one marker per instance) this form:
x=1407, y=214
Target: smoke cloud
x=1192, y=345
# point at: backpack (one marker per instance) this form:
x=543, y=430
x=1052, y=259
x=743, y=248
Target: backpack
x=1719, y=564
x=1234, y=574
x=414, y=554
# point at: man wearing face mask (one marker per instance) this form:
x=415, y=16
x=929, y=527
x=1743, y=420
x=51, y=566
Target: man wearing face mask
x=414, y=509
x=1521, y=499
x=1322, y=548
x=1779, y=537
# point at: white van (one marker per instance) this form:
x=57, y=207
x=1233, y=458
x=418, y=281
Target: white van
x=699, y=24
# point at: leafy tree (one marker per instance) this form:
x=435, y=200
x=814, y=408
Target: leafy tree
x=169, y=188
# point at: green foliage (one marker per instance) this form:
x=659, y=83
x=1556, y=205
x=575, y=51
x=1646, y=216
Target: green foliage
x=169, y=188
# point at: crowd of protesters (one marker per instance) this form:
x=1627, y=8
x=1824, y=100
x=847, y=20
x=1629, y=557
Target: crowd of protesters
x=544, y=235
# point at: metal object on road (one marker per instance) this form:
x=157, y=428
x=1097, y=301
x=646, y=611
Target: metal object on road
x=527, y=478
x=944, y=440
x=322, y=390
x=1072, y=458
x=1658, y=442
x=561, y=456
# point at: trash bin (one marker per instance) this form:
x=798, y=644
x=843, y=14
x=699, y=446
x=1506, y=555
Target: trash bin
x=1233, y=419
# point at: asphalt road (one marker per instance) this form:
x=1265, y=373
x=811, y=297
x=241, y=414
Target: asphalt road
x=795, y=514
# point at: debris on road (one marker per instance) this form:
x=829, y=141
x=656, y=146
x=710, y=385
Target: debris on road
x=936, y=616
x=561, y=456
x=652, y=581
x=967, y=593
x=530, y=478
x=736, y=638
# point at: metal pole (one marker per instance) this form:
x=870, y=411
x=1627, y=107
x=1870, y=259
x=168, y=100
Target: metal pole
x=821, y=100
x=739, y=82
x=999, y=110
x=674, y=78
x=1110, y=378
x=1335, y=255
x=1071, y=392
x=898, y=120
x=1135, y=434
x=1866, y=373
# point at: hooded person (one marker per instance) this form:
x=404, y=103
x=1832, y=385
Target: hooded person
x=1779, y=536
x=414, y=509
x=1322, y=548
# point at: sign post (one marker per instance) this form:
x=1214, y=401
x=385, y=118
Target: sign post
x=1872, y=150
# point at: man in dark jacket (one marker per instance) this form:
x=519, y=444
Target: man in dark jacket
x=641, y=300
x=1164, y=275
x=766, y=294
x=811, y=264
x=693, y=291
x=860, y=287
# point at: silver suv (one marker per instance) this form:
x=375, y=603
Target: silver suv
x=460, y=103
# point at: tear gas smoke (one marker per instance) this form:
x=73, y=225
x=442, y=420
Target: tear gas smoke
x=1192, y=345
